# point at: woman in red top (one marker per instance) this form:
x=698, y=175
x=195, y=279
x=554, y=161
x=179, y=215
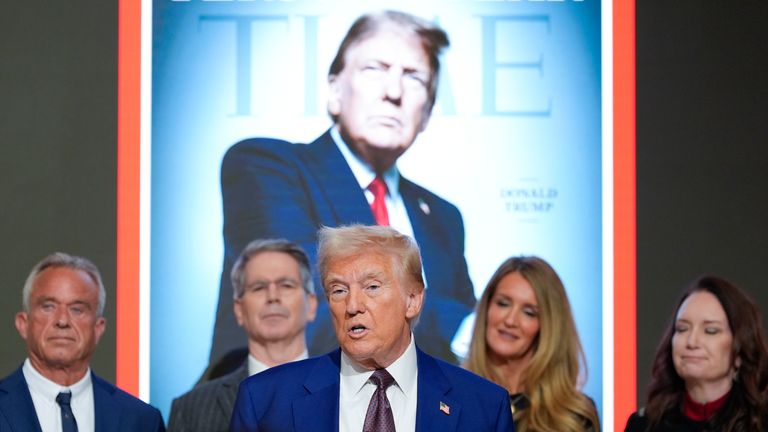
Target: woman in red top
x=710, y=372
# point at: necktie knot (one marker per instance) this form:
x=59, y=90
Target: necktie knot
x=379, y=416
x=64, y=398
x=378, y=187
x=379, y=205
x=382, y=379
x=68, y=422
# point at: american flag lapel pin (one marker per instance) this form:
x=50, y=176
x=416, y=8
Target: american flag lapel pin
x=445, y=408
x=424, y=207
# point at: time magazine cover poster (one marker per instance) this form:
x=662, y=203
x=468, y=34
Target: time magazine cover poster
x=513, y=141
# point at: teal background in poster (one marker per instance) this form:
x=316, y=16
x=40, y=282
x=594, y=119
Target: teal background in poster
x=514, y=142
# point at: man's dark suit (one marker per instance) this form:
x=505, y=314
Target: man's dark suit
x=272, y=188
x=114, y=409
x=207, y=407
x=304, y=396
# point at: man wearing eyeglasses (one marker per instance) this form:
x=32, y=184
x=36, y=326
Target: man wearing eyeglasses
x=274, y=299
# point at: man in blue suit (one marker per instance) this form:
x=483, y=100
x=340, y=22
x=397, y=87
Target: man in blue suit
x=383, y=84
x=55, y=390
x=379, y=380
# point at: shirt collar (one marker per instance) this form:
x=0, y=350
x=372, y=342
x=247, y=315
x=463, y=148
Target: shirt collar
x=404, y=370
x=255, y=366
x=50, y=389
x=703, y=411
x=363, y=173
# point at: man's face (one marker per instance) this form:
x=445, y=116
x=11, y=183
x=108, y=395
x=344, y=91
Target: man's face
x=380, y=97
x=371, y=305
x=62, y=326
x=274, y=306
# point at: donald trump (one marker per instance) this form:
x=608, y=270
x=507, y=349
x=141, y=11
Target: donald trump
x=378, y=380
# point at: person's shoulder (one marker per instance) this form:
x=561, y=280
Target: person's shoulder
x=125, y=400
x=294, y=366
x=204, y=405
x=11, y=378
x=421, y=191
x=259, y=145
x=468, y=381
x=286, y=373
x=208, y=388
x=15, y=385
x=256, y=146
x=427, y=198
x=270, y=154
x=637, y=422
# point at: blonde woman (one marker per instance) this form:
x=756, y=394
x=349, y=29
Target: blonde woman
x=525, y=340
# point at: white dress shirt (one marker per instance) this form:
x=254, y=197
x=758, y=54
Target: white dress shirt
x=356, y=390
x=398, y=215
x=44, y=392
x=255, y=366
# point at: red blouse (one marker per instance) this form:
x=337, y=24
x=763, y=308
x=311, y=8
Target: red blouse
x=701, y=412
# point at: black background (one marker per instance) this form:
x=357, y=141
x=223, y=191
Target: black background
x=702, y=152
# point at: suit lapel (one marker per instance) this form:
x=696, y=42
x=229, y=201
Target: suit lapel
x=16, y=403
x=106, y=410
x=336, y=183
x=425, y=231
x=435, y=409
x=419, y=211
x=318, y=411
x=225, y=397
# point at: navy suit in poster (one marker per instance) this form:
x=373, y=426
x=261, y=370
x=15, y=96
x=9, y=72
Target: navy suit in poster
x=275, y=189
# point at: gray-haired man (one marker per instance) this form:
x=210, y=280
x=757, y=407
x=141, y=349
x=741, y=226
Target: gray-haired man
x=274, y=300
x=55, y=390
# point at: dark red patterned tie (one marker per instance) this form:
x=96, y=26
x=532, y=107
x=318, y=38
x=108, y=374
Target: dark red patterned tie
x=379, y=416
x=379, y=205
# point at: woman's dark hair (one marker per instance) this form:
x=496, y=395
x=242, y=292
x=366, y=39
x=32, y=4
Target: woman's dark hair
x=747, y=403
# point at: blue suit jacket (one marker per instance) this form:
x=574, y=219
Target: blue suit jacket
x=275, y=189
x=304, y=397
x=114, y=409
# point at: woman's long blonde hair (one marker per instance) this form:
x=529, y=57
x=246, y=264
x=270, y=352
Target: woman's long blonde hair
x=551, y=380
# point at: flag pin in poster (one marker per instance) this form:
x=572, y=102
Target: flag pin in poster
x=424, y=206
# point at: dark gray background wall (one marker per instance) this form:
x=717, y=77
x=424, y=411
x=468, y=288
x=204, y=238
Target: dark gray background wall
x=702, y=154
x=702, y=151
x=58, y=127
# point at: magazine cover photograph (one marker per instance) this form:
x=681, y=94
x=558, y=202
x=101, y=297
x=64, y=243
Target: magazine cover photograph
x=480, y=138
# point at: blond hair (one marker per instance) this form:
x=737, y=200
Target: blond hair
x=551, y=380
x=350, y=240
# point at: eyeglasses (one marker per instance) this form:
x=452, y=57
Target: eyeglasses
x=261, y=286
